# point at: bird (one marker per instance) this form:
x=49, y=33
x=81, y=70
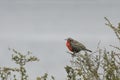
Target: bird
x=75, y=46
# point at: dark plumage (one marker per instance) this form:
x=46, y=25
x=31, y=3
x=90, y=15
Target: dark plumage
x=75, y=46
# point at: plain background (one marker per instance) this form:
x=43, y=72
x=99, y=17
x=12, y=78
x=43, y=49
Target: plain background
x=40, y=26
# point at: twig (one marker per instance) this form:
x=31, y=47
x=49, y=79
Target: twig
x=116, y=30
x=110, y=24
x=117, y=35
x=107, y=20
x=115, y=47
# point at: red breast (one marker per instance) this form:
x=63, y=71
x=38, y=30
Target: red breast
x=69, y=45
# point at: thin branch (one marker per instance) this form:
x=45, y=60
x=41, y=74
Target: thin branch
x=115, y=47
x=107, y=20
x=115, y=29
x=110, y=24
x=117, y=35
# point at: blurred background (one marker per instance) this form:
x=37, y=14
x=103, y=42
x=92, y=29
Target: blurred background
x=40, y=26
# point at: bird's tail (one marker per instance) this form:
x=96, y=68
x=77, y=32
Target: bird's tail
x=88, y=50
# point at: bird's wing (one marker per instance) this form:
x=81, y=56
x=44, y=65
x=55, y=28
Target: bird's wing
x=77, y=45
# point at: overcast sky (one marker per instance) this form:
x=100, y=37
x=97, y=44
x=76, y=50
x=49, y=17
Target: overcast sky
x=40, y=26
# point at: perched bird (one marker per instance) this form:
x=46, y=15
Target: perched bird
x=75, y=46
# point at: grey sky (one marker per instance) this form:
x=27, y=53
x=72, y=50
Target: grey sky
x=42, y=25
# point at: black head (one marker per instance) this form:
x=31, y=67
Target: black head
x=69, y=39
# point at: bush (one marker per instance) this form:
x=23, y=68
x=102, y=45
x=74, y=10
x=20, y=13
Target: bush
x=102, y=64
